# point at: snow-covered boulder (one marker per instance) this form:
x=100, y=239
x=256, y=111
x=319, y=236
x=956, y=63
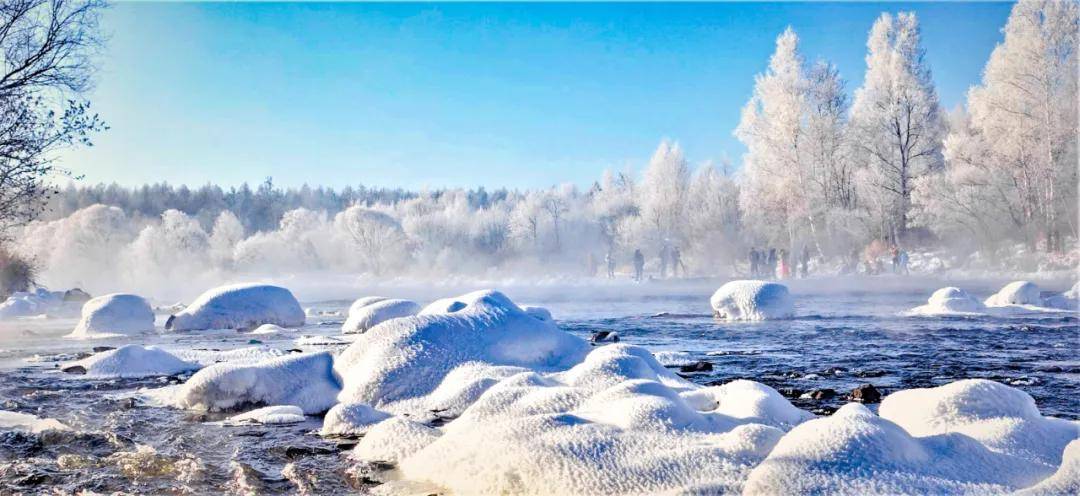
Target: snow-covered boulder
x=130, y=361
x=854, y=451
x=752, y=300
x=268, y=329
x=1069, y=300
x=351, y=419
x=364, y=317
x=112, y=314
x=1002, y=418
x=31, y=303
x=15, y=421
x=949, y=300
x=304, y=380
x=1016, y=293
x=277, y=414
x=408, y=358
x=239, y=306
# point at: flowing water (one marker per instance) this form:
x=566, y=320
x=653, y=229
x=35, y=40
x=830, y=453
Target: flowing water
x=841, y=339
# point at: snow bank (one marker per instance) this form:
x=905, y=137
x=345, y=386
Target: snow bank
x=15, y=421
x=854, y=451
x=351, y=419
x=112, y=314
x=304, y=380
x=408, y=358
x=239, y=306
x=1069, y=300
x=131, y=361
x=1002, y=418
x=752, y=300
x=1016, y=293
x=31, y=304
x=1065, y=481
x=268, y=329
x=949, y=300
x=364, y=317
x=278, y=414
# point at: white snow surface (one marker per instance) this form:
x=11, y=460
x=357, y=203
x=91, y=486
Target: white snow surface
x=112, y=314
x=15, y=421
x=32, y=303
x=1016, y=293
x=268, y=329
x=239, y=306
x=351, y=419
x=1069, y=300
x=303, y=380
x=276, y=414
x=752, y=300
x=950, y=300
x=365, y=316
x=134, y=361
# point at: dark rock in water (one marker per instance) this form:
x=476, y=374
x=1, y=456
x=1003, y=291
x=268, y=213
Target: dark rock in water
x=254, y=341
x=128, y=403
x=871, y=373
x=791, y=392
x=76, y=295
x=824, y=410
x=301, y=451
x=698, y=366
x=99, y=349
x=602, y=336
x=74, y=369
x=865, y=393
x=822, y=394
x=294, y=350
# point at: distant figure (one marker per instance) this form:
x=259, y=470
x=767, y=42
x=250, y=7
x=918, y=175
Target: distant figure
x=783, y=269
x=676, y=262
x=665, y=256
x=754, y=260
x=639, y=265
x=805, y=262
x=895, y=260
x=770, y=262
x=591, y=264
x=609, y=259
x=904, y=262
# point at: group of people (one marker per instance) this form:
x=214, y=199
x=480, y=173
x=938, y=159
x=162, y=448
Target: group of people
x=873, y=258
x=670, y=257
x=772, y=263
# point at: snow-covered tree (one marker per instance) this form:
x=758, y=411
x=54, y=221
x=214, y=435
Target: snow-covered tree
x=227, y=233
x=712, y=220
x=896, y=121
x=663, y=192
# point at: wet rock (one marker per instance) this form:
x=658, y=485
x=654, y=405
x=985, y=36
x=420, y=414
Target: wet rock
x=865, y=393
x=698, y=366
x=73, y=369
x=127, y=403
x=871, y=373
x=294, y=350
x=789, y=392
x=604, y=336
x=254, y=341
x=302, y=451
x=820, y=394
x=835, y=371
x=824, y=410
x=99, y=349
x=76, y=295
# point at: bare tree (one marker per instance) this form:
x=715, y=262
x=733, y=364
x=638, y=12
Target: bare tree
x=48, y=48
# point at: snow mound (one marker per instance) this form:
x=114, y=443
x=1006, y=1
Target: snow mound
x=15, y=421
x=133, y=361
x=351, y=419
x=277, y=414
x=1016, y=293
x=616, y=422
x=112, y=314
x=752, y=300
x=1065, y=481
x=393, y=440
x=303, y=380
x=268, y=329
x=1002, y=418
x=364, y=317
x=949, y=300
x=1069, y=300
x=31, y=304
x=854, y=451
x=239, y=306
x=408, y=358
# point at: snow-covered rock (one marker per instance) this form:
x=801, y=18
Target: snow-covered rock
x=268, y=329
x=31, y=303
x=949, y=300
x=303, y=380
x=239, y=306
x=15, y=421
x=1002, y=418
x=351, y=419
x=112, y=314
x=131, y=361
x=364, y=317
x=277, y=414
x=1016, y=293
x=752, y=300
x=1069, y=300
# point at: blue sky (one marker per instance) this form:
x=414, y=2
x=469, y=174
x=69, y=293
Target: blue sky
x=449, y=95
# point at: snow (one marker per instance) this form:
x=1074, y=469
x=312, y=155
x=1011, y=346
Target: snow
x=364, y=317
x=1065, y=481
x=113, y=314
x=351, y=419
x=15, y=421
x=393, y=440
x=31, y=304
x=303, y=380
x=949, y=300
x=752, y=300
x=277, y=414
x=1016, y=293
x=239, y=306
x=133, y=361
x=1002, y=418
x=268, y=329
x=1069, y=300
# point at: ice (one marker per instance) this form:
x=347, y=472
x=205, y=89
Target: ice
x=133, y=361
x=1016, y=293
x=277, y=414
x=752, y=300
x=1002, y=418
x=351, y=419
x=15, y=421
x=408, y=358
x=113, y=314
x=303, y=380
x=365, y=316
x=239, y=306
x=854, y=452
x=947, y=301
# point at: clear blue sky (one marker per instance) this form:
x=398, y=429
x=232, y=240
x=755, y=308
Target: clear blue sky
x=446, y=95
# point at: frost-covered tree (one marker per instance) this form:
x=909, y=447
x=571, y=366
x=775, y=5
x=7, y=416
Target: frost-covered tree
x=663, y=193
x=712, y=219
x=226, y=234
x=378, y=241
x=896, y=121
